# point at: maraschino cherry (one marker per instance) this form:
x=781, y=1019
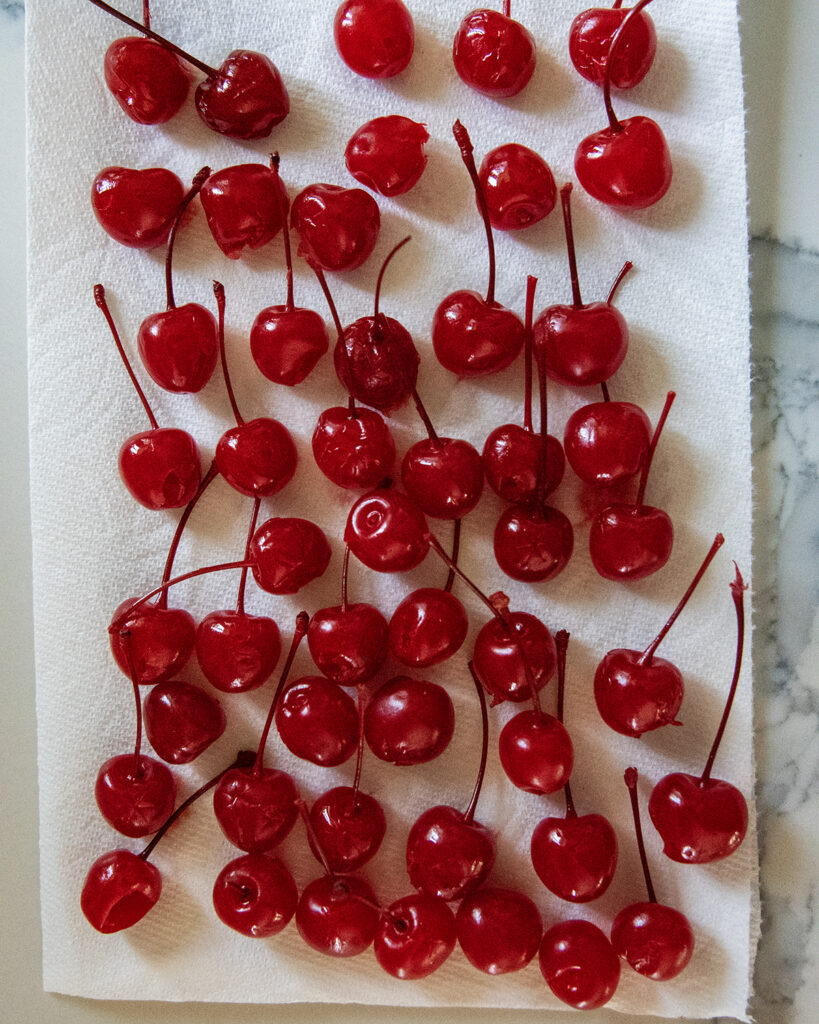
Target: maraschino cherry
x=701, y=820
x=579, y=964
x=636, y=691
x=590, y=41
x=518, y=185
x=606, y=442
x=499, y=930
x=255, y=895
x=317, y=721
x=473, y=335
x=337, y=227
x=137, y=208
x=374, y=38
x=387, y=154
x=182, y=721
x=409, y=721
x=626, y=165
x=287, y=553
x=494, y=54
x=245, y=207
x=415, y=936
x=387, y=531
x=656, y=940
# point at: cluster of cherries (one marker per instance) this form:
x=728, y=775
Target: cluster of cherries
x=405, y=720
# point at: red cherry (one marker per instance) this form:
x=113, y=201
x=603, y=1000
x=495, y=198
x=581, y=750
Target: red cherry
x=387, y=154
x=606, y=442
x=536, y=752
x=499, y=930
x=160, y=468
x=579, y=964
x=137, y=208
x=409, y=721
x=146, y=79
x=134, y=797
x=374, y=38
x=182, y=721
x=287, y=554
x=518, y=185
x=511, y=455
x=427, y=627
x=255, y=895
x=590, y=41
x=161, y=640
x=245, y=207
x=533, y=544
x=353, y=447
x=236, y=651
x=510, y=653
x=348, y=827
x=494, y=54
x=444, y=476
x=257, y=457
x=337, y=227
x=338, y=915
x=415, y=935
x=317, y=721
x=387, y=531
x=119, y=890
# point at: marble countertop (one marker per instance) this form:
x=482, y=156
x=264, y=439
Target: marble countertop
x=780, y=60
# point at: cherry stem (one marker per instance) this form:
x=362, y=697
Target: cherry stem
x=738, y=588
x=240, y=599
x=544, y=430
x=605, y=389
x=456, y=548
x=473, y=803
x=616, y=5
x=146, y=13
x=302, y=622
x=125, y=634
x=624, y=270
x=344, y=571
x=465, y=146
x=384, y=266
x=669, y=401
x=206, y=69
x=243, y=760
x=562, y=644
x=314, y=840
x=422, y=412
x=282, y=207
x=207, y=480
x=648, y=653
x=126, y=616
x=566, y=203
x=630, y=777
x=198, y=181
x=507, y=8
x=436, y=547
x=219, y=293
x=359, y=758
x=99, y=298
x=615, y=40
x=531, y=287
x=322, y=280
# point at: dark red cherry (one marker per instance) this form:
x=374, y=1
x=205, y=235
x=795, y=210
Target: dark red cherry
x=533, y=543
x=377, y=362
x=579, y=964
x=146, y=79
x=494, y=54
x=160, y=468
x=317, y=721
x=409, y=721
x=606, y=442
x=518, y=185
x=257, y=457
x=255, y=808
x=473, y=337
x=338, y=915
x=245, y=206
x=119, y=890
x=255, y=895
x=337, y=227
x=415, y=935
x=628, y=167
x=387, y=531
x=575, y=856
x=182, y=721
x=590, y=40
x=628, y=542
x=353, y=447
x=509, y=652
x=161, y=640
x=427, y=627
x=179, y=347
x=348, y=828
x=244, y=98
x=387, y=154
x=444, y=476
x=134, y=799
x=536, y=752
x=137, y=208
x=286, y=343
x=348, y=644
x=374, y=38
x=499, y=930
x=236, y=651
x=448, y=856
x=287, y=554
x=511, y=457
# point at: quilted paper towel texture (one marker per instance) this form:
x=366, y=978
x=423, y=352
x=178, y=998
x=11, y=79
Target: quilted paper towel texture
x=687, y=306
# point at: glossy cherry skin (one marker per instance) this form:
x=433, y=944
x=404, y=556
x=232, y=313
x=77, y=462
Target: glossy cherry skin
x=698, y=821
x=503, y=652
x=511, y=461
x=349, y=827
x=146, y=79
x=179, y=347
x=245, y=99
x=472, y=337
x=493, y=54
x=257, y=458
x=444, y=476
x=137, y=208
x=447, y=856
x=575, y=857
x=606, y=442
x=181, y=721
x=427, y=627
x=353, y=447
x=287, y=554
x=287, y=342
x=337, y=227
x=409, y=721
x=160, y=643
x=133, y=802
x=630, y=543
x=255, y=810
x=387, y=531
x=349, y=645
x=630, y=168
x=387, y=154
x=533, y=543
x=374, y=38
x=255, y=895
x=518, y=186
x=318, y=722
x=160, y=468
x=338, y=916
x=415, y=935
x=634, y=698
x=377, y=362
x=499, y=930
x=236, y=651
x=579, y=964
x=656, y=940
x=536, y=752
x=119, y=890
x=590, y=38
x=582, y=345
x=244, y=206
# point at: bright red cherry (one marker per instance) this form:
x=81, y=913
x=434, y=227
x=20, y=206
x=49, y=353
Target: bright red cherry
x=427, y=627
x=353, y=447
x=287, y=554
x=245, y=206
x=374, y=38
x=579, y=964
x=317, y=721
x=348, y=827
x=499, y=930
x=512, y=651
x=536, y=752
x=701, y=820
x=387, y=531
x=606, y=442
x=409, y=721
x=160, y=640
x=134, y=795
x=119, y=890
x=387, y=154
x=415, y=935
x=337, y=227
x=182, y=721
x=255, y=895
x=338, y=915
x=146, y=79
x=518, y=185
x=590, y=41
x=494, y=54
x=137, y=208
x=237, y=651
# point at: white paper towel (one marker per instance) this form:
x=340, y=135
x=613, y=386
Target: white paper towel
x=687, y=307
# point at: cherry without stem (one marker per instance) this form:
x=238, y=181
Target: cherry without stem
x=374, y=38
x=518, y=185
x=494, y=54
x=579, y=964
x=182, y=721
x=387, y=154
x=499, y=930
x=317, y=721
x=136, y=208
x=245, y=207
x=409, y=721
x=427, y=627
x=353, y=447
x=606, y=442
x=415, y=936
x=338, y=915
x=337, y=227
x=255, y=895
x=590, y=40
x=387, y=531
